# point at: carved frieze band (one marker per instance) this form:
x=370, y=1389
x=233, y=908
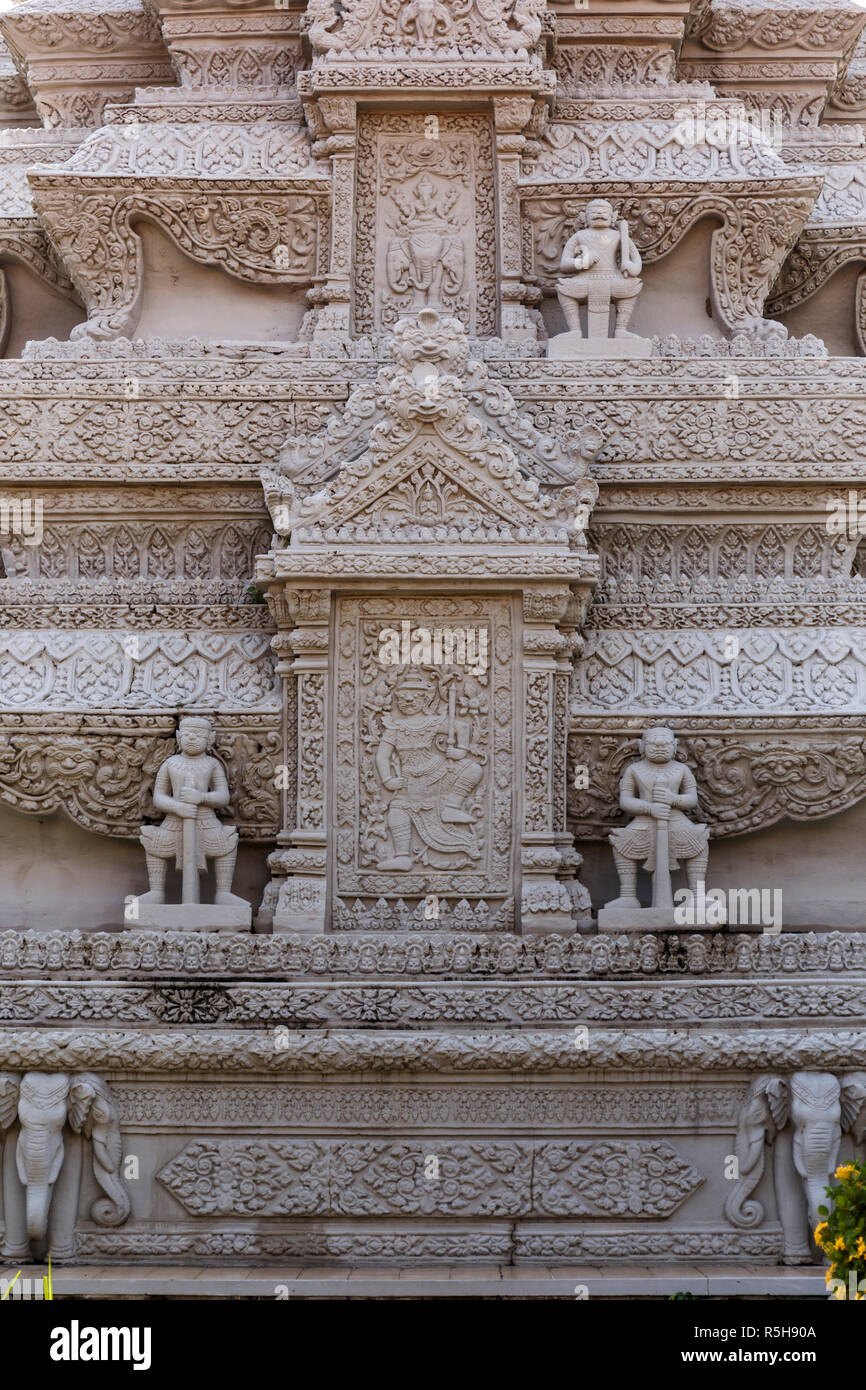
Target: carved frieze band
x=230, y=1050
x=479, y=1243
x=746, y=779
x=204, y=954
x=103, y=777
x=413, y=1005
x=633, y=1178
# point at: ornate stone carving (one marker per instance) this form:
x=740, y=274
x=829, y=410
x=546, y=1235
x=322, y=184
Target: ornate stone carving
x=238, y=225
x=767, y=777
x=190, y=787
x=803, y=1118
x=457, y=955
x=425, y=233
x=599, y=267
x=424, y=30
x=377, y=1178
x=45, y=1116
x=656, y=792
x=104, y=780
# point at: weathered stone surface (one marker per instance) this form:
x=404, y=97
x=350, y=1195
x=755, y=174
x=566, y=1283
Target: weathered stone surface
x=302, y=459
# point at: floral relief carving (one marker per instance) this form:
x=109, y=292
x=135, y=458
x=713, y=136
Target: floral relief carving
x=238, y=228
x=745, y=780
x=104, y=782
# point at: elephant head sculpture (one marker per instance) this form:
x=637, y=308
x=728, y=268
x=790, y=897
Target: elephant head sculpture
x=46, y=1115
x=802, y=1118
x=39, y=1152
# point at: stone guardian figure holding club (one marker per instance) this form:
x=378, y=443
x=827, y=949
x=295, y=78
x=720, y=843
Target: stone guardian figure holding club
x=657, y=791
x=190, y=787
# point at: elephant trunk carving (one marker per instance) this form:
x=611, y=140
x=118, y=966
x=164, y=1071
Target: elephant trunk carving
x=817, y=1114
x=804, y=1116
x=39, y=1152
x=55, y=1113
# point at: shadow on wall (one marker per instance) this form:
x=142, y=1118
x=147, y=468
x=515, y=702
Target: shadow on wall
x=182, y=299
x=819, y=866
x=35, y=309
x=55, y=875
x=830, y=314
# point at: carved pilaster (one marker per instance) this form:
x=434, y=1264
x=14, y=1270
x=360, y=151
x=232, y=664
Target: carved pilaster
x=546, y=905
x=302, y=896
x=339, y=117
x=511, y=116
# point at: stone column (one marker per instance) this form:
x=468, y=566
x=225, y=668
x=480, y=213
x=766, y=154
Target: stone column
x=338, y=116
x=511, y=115
x=303, y=895
x=546, y=904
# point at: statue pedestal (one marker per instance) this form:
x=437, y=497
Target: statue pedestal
x=569, y=345
x=643, y=919
x=189, y=917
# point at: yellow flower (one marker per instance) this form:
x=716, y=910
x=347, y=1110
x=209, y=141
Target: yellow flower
x=840, y=1244
x=828, y=1276
x=861, y=1247
x=818, y=1230
x=844, y=1170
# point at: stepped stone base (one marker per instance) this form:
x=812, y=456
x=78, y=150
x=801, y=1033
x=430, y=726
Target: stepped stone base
x=460, y=1102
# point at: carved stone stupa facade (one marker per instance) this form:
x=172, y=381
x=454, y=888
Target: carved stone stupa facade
x=433, y=671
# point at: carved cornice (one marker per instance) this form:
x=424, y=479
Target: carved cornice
x=479, y=45
x=75, y=57
x=812, y=26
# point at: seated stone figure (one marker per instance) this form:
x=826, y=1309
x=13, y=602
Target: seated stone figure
x=657, y=788
x=606, y=263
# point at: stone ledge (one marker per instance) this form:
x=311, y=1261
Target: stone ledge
x=446, y=1281
x=245, y=1051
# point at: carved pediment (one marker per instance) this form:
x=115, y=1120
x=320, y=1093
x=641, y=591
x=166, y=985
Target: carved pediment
x=435, y=453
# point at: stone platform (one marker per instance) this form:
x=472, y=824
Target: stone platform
x=358, y=1101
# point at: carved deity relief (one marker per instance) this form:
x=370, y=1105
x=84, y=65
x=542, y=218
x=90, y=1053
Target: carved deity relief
x=426, y=258
x=424, y=747
x=425, y=233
